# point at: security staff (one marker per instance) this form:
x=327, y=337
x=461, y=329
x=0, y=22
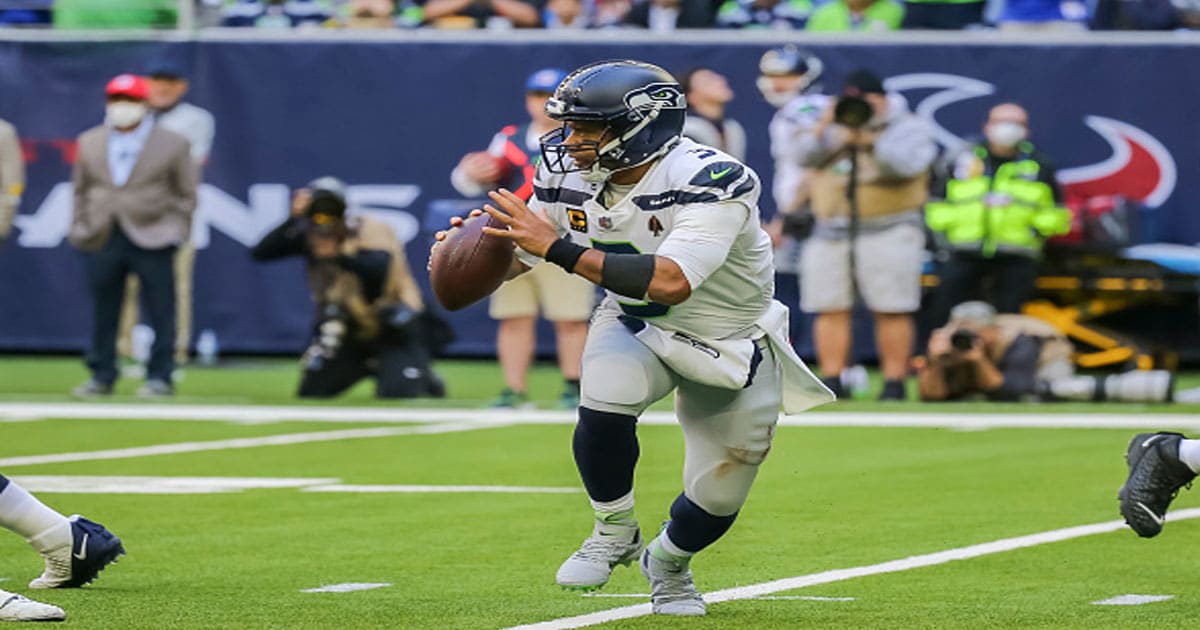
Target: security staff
x=1000, y=204
x=369, y=308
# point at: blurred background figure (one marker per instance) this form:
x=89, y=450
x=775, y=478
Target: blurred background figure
x=564, y=299
x=484, y=13
x=273, y=14
x=12, y=178
x=370, y=316
x=135, y=191
x=1042, y=15
x=370, y=14
x=773, y=14
x=857, y=15
x=664, y=16
x=869, y=161
x=942, y=14
x=115, y=13
x=567, y=14
x=708, y=93
x=787, y=78
x=167, y=84
x=1001, y=202
x=1016, y=357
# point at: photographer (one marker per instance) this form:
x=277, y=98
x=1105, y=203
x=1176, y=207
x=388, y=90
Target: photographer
x=1016, y=357
x=370, y=317
x=867, y=161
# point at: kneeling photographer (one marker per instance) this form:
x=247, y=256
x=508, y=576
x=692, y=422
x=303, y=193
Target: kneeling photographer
x=1017, y=357
x=370, y=316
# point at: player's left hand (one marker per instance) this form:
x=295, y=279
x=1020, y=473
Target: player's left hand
x=531, y=232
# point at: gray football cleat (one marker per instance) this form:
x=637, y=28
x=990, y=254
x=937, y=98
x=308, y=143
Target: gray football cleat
x=15, y=607
x=672, y=591
x=589, y=568
x=1155, y=477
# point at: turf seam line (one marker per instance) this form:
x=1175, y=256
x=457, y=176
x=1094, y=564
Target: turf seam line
x=838, y=575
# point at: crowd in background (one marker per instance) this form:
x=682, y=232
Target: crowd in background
x=655, y=15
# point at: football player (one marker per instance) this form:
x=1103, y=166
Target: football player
x=75, y=550
x=670, y=229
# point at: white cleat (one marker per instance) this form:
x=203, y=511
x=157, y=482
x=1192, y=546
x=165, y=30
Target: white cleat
x=589, y=567
x=15, y=607
x=672, y=591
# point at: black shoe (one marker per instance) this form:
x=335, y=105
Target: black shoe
x=893, y=389
x=1155, y=477
x=834, y=384
x=156, y=388
x=92, y=548
x=92, y=389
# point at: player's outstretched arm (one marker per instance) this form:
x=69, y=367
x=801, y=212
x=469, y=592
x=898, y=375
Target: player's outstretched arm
x=636, y=276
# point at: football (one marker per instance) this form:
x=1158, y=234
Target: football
x=468, y=265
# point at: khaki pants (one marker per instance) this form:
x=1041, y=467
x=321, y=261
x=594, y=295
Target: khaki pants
x=185, y=262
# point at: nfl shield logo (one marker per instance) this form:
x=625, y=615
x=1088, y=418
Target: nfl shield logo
x=605, y=223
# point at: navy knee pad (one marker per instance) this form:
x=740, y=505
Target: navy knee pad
x=606, y=452
x=3, y=483
x=693, y=529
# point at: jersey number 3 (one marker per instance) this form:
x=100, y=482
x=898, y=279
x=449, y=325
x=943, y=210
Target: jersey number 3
x=636, y=309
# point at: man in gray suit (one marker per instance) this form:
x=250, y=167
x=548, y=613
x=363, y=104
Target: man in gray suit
x=135, y=190
x=12, y=178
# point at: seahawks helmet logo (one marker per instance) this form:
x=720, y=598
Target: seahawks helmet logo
x=654, y=96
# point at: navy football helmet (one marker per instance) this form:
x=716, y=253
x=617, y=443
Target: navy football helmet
x=641, y=104
x=783, y=61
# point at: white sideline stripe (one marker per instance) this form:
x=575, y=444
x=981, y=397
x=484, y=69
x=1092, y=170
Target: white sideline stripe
x=1133, y=600
x=806, y=598
x=1114, y=417
x=348, y=587
x=448, y=489
x=114, y=484
x=838, y=575
x=221, y=445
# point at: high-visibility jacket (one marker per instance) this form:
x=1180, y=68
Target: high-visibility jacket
x=1008, y=211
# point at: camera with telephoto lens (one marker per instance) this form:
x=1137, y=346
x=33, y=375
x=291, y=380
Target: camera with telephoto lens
x=852, y=111
x=963, y=340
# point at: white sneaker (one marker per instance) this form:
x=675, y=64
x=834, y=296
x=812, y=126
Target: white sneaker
x=672, y=591
x=589, y=567
x=15, y=607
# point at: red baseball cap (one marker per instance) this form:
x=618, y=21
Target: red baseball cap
x=130, y=85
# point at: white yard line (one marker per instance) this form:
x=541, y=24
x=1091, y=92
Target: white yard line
x=222, y=445
x=442, y=489
x=1118, y=419
x=348, y=587
x=838, y=575
x=1133, y=600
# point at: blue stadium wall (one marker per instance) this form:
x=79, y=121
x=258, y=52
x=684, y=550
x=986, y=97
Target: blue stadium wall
x=393, y=116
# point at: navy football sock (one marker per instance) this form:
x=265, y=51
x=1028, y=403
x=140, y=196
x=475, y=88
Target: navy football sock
x=692, y=529
x=3, y=483
x=606, y=452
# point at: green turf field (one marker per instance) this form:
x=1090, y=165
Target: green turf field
x=828, y=498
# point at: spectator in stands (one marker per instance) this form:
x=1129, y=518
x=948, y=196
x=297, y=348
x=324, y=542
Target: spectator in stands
x=26, y=13
x=942, y=14
x=563, y=298
x=167, y=85
x=1017, y=357
x=371, y=14
x=12, y=178
x=1139, y=15
x=1043, y=15
x=1000, y=203
x=276, y=13
x=708, y=93
x=869, y=160
x=856, y=15
x=135, y=191
x=566, y=14
x=772, y=14
x=370, y=316
x=609, y=13
x=115, y=13
x=664, y=16
x=484, y=13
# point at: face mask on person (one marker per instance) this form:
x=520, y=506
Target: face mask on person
x=124, y=114
x=1006, y=134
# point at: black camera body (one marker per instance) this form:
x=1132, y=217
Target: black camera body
x=852, y=111
x=963, y=340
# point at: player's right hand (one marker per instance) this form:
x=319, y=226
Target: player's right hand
x=440, y=235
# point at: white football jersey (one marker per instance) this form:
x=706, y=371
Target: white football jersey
x=798, y=116
x=698, y=207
